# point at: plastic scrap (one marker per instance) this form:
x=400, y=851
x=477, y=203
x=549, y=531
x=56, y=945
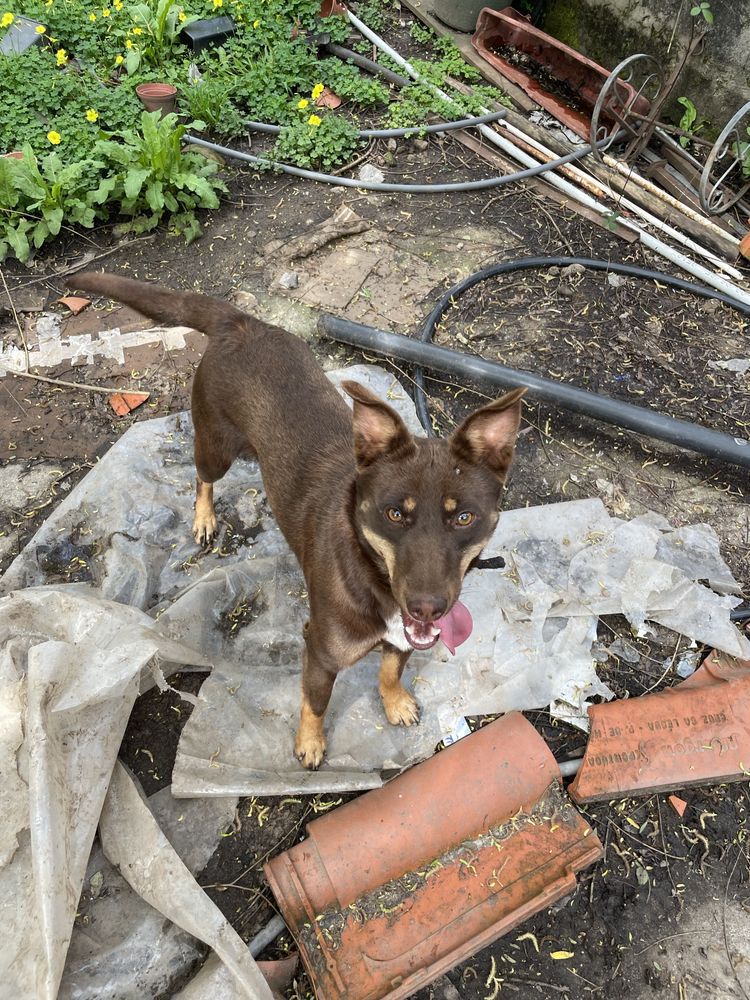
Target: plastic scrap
x=121, y=947
x=132, y=840
x=69, y=674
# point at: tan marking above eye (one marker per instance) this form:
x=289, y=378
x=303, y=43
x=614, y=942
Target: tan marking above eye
x=409, y=504
x=450, y=504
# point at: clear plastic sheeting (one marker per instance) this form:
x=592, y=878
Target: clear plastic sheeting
x=70, y=667
x=121, y=947
x=133, y=840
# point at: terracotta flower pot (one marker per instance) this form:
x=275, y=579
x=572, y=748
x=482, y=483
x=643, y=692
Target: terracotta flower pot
x=157, y=97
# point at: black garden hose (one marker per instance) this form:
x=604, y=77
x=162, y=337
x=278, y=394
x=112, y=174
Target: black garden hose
x=687, y=435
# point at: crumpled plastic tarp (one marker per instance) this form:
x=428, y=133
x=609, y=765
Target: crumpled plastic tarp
x=70, y=667
x=122, y=948
x=125, y=529
x=132, y=839
x=242, y=605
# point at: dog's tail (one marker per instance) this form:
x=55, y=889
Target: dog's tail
x=165, y=305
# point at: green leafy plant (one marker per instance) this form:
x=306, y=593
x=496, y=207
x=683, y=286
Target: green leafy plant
x=41, y=99
x=689, y=122
x=316, y=142
x=210, y=101
x=155, y=30
x=153, y=176
x=703, y=10
x=37, y=195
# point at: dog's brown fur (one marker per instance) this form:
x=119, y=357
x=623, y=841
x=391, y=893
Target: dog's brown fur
x=376, y=517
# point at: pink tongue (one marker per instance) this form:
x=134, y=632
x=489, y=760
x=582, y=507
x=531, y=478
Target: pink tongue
x=455, y=627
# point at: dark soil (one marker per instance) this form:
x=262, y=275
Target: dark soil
x=634, y=341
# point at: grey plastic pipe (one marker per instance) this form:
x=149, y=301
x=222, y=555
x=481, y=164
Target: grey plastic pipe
x=387, y=133
x=312, y=175
x=611, y=411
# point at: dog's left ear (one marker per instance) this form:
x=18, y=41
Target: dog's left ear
x=378, y=430
x=488, y=436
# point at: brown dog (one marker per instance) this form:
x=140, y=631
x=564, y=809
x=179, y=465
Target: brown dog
x=384, y=525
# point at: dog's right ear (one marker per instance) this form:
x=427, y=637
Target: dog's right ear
x=378, y=430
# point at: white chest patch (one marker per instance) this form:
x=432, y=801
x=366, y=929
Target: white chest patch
x=394, y=634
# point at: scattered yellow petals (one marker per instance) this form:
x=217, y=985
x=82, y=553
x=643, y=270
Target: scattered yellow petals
x=560, y=955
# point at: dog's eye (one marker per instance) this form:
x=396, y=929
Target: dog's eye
x=465, y=518
x=394, y=514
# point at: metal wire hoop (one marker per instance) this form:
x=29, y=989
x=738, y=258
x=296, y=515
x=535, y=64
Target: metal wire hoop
x=716, y=196
x=624, y=100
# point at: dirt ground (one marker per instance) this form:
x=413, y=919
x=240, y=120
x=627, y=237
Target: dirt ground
x=666, y=913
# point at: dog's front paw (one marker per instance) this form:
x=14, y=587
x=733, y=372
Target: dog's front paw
x=205, y=527
x=400, y=708
x=310, y=749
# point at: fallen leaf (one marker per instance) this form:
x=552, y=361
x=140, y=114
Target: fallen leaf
x=124, y=402
x=76, y=303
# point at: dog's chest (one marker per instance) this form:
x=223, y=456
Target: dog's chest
x=394, y=634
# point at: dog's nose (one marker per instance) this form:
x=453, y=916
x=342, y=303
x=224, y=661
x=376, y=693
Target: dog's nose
x=427, y=608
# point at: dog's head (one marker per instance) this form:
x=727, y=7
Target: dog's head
x=425, y=508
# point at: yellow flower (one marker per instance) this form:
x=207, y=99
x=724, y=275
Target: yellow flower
x=92, y=115
x=40, y=29
x=92, y=17
x=7, y=19
x=181, y=16
x=218, y=3
x=54, y=137
x=61, y=56
x=128, y=43
x=105, y=12
x=314, y=121
x=137, y=31
x=117, y=4
x=118, y=59
x=256, y=22
x=317, y=91
x=48, y=3
x=302, y=104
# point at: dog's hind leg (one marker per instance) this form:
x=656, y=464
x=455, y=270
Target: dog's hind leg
x=217, y=444
x=400, y=708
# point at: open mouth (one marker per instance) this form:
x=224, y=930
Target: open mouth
x=420, y=635
x=453, y=628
